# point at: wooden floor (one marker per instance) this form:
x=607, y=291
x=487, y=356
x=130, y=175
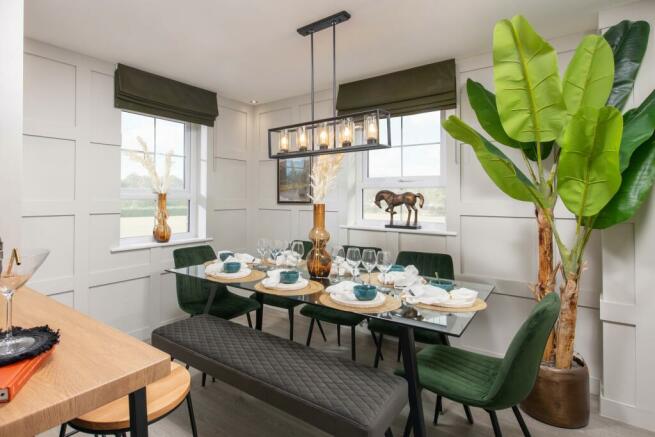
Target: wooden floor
x=222, y=410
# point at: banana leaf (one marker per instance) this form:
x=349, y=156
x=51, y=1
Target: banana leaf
x=638, y=126
x=588, y=172
x=628, y=41
x=496, y=164
x=483, y=103
x=589, y=76
x=636, y=184
x=526, y=78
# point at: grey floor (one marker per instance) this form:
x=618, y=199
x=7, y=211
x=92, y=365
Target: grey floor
x=222, y=410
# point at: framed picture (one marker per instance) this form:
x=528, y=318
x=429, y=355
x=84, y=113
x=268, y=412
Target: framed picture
x=293, y=182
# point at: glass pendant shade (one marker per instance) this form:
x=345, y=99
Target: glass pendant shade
x=284, y=142
x=301, y=135
x=323, y=137
x=346, y=132
x=371, y=129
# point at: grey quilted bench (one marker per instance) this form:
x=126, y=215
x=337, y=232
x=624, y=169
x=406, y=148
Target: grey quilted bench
x=338, y=396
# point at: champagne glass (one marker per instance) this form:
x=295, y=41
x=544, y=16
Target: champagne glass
x=353, y=258
x=369, y=261
x=338, y=258
x=298, y=251
x=16, y=272
x=384, y=263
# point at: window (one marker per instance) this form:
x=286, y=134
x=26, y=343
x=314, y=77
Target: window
x=137, y=197
x=415, y=162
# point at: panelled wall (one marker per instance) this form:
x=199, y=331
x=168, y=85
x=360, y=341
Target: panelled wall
x=71, y=193
x=627, y=302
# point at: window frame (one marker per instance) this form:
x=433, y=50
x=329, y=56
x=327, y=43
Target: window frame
x=364, y=181
x=188, y=193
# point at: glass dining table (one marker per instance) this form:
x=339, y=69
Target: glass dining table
x=407, y=318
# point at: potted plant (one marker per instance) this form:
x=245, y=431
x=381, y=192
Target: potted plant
x=602, y=167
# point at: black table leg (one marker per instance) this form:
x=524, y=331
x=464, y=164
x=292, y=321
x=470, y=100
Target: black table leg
x=138, y=413
x=411, y=374
x=259, y=314
x=212, y=296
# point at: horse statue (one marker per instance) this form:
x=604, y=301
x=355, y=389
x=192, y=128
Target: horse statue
x=393, y=200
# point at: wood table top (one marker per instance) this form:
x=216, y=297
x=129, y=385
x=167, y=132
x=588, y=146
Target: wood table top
x=92, y=365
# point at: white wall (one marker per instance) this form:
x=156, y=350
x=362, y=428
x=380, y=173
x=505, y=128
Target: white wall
x=627, y=302
x=11, y=119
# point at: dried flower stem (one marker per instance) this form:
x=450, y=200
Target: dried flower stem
x=324, y=175
x=145, y=158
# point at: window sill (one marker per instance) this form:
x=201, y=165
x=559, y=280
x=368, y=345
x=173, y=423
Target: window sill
x=153, y=244
x=381, y=228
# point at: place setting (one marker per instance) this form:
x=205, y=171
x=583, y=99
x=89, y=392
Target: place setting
x=282, y=282
x=230, y=267
x=442, y=295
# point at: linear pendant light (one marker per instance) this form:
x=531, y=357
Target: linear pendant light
x=338, y=134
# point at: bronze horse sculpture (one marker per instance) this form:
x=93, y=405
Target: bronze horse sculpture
x=393, y=200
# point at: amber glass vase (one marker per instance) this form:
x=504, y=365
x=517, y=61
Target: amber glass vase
x=162, y=231
x=319, y=261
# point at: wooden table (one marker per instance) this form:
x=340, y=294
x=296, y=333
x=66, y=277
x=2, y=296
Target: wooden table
x=93, y=364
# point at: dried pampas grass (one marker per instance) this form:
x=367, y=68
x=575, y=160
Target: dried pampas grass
x=145, y=158
x=324, y=175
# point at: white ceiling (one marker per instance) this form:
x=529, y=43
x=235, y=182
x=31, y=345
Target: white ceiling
x=249, y=49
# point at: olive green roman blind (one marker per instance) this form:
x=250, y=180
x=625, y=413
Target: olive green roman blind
x=140, y=91
x=426, y=88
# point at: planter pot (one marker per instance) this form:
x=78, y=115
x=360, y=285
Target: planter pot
x=560, y=397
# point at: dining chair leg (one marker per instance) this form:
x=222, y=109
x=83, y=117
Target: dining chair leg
x=469, y=416
x=291, y=317
x=408, y=425
x=249, y=320
x=338, y=335
x=494, y=423
x=187, y=366
x=62, y=430
x=438, y=408
x=388, y=433
x=213, y=379
x=204, y=378
x=353, y=349
x=192, y=417
x=309, y=333
x=378, y=350
x=399, y=351
x=519, y=419
x=320, y=328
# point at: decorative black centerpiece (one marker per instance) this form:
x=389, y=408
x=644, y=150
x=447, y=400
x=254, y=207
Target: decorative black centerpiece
x=393, y=200
x=40, y=339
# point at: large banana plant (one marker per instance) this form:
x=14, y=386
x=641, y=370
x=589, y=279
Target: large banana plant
x=602, y=165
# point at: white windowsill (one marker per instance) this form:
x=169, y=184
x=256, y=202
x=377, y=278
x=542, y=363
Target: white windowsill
x=381, y=228
x=152, y=244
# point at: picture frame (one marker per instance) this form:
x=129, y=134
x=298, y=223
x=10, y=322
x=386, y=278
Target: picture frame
x=293, y=180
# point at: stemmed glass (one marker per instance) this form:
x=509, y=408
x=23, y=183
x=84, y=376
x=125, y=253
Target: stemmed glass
x=263, y=246
x=276, y=250
x=297, y=252
x=369, y=261
x=338, y=258
x=17, y=271
x=384, y=263
x=353, y=258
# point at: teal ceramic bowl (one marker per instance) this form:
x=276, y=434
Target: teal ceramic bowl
x=289, y=277
x=225, y=255
x=443, y=283
x=231, y=267
x=365, y=291
x=397, y=268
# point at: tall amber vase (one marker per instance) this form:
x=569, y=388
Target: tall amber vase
x=319, y=261
x=162, y=231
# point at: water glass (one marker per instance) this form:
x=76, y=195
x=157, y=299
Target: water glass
x=384, y=263
x=353, y=258
x=369, y=261
x=297, y=252
x=338, y=258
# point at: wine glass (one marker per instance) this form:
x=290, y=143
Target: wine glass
x=263, y=246
x=338, y=258
x=297, y=251
x=276, y=250
x=353, y=258
x=17, y=271
x=369, y=261
x=384, y=263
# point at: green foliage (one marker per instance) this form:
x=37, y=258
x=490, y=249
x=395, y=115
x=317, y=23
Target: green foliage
x=526, y=77
x=628, y=41
x=639, y=125
x=498, y=166
x=589, y=76
x=483, y=103
x=636, y=184
x=588, y=172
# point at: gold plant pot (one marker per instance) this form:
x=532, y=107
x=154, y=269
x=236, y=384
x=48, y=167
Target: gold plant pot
x=162, y=231
x=319, y=261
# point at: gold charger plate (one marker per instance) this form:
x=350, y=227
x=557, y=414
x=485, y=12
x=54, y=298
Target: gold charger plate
x=478, y=305
x=254, y=275
x=313, y=287
x=390, y=304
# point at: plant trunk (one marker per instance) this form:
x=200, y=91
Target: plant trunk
x=567, y=320
x=545, y=277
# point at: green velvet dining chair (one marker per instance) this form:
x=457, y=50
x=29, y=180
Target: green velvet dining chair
x=486, y=382
x=319, y=314
x=282, y=302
